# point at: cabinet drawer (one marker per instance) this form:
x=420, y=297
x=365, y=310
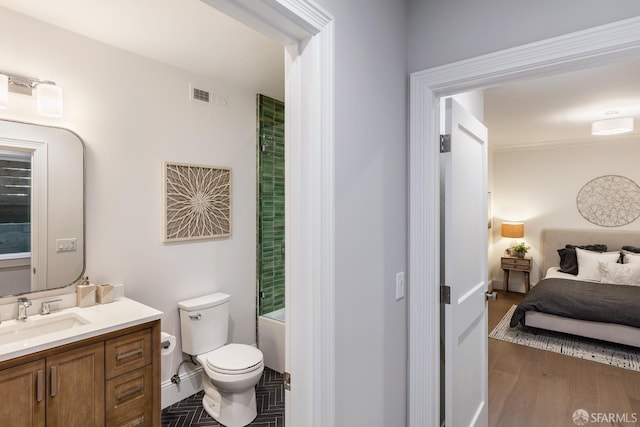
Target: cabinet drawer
x=129, y=398
x=137, y=419
x=129, y=352
x=516, y=263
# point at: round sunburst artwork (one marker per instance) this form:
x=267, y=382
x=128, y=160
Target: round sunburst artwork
x=197, y=202
x=609, y=201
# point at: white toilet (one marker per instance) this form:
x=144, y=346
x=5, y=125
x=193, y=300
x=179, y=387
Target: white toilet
x=231, y=371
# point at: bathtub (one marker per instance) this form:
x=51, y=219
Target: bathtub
x=271, y=339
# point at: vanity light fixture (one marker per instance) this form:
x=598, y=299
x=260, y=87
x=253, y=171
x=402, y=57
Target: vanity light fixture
x=612, y=126
x=48, y=95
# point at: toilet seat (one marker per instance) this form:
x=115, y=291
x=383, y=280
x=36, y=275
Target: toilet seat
x=234, y=359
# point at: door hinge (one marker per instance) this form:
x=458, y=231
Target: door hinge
x=286, y=376
x=445, y=294
x=445, y=143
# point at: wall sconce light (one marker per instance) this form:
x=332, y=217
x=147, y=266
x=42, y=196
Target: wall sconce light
x=612, y=126
x=48, y=95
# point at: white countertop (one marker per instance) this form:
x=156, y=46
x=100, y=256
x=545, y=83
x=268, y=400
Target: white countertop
x=103, y=318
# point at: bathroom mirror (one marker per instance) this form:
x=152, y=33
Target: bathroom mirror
x=41, y=207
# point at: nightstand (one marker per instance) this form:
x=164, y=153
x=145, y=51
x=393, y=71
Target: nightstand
x=509, y=264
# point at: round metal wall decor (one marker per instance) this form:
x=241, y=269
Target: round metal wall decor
x=609, y=201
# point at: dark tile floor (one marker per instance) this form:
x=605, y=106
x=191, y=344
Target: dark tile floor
x=269, y=399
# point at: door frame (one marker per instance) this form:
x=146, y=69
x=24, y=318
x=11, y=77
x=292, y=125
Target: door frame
x=579, y=50
x=307, y=33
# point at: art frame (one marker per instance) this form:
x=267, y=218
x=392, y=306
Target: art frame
x=196, y=202
x=609, y=201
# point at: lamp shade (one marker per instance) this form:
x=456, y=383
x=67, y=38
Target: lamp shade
x=612, y=126
x=4, y=91
x=49, y=100
x=514, y=230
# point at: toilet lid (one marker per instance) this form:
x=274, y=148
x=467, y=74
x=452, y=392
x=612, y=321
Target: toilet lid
x=234, y=359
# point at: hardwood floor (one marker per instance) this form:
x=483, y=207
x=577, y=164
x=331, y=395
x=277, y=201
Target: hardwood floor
x=530, y=387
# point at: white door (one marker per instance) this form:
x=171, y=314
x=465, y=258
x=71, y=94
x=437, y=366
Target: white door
x=464, y=221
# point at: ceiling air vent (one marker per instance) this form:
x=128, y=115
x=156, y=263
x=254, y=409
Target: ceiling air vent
x=200, y=95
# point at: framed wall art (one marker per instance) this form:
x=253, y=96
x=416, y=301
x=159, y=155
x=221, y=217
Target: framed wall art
x=197, y=202
x=609, y=201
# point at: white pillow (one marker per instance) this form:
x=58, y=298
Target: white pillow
x=631, y=257
x=588, y=268
x=620, y=274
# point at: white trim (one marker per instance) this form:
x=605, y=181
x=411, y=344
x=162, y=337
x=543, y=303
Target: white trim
x=595, y=46
x=190, y=384
x=309, y=216
x=569, y=143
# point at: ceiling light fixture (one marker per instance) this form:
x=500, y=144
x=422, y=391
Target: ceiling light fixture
x=612, y=126
x=48, y=95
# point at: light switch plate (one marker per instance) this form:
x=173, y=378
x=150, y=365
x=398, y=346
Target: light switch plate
x=66, y=245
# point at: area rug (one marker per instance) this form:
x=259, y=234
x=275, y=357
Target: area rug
x=618, y=355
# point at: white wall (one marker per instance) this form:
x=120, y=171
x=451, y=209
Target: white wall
x=133, y=114
x=441, y=32
x=539, y=186
x=371, y=226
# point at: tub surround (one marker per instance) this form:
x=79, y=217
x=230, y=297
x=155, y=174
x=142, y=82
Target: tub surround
x=271, y=336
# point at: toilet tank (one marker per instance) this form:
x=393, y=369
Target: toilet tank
x=204, y=323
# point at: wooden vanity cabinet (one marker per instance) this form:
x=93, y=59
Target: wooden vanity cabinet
x=75, y=392
x=22, y=395
x=129, y=373
x=111, y=380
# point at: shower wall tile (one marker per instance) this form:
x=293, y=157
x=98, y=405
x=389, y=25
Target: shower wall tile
x=271, y=116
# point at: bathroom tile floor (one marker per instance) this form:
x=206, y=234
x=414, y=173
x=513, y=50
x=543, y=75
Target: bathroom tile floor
x=269, y=399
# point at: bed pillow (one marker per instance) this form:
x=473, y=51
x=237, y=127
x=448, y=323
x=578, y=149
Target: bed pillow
x=631, y=257
x=620, y=274
x=569, y=260
x=588, y=267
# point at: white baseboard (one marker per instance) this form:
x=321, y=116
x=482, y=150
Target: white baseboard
x=190, y=383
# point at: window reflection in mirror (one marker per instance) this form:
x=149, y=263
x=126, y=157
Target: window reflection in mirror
x=15, y=204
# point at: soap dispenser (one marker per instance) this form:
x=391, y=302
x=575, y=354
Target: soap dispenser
x=86, y=293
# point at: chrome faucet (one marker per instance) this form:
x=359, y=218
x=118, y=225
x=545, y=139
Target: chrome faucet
x=23, y=303
x=46, y=305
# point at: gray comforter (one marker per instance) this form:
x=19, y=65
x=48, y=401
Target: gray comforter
x=597, y=302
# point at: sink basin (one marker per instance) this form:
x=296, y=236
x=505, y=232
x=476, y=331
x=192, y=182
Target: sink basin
x=36, y=326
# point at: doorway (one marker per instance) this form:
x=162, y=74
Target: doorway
x=597, y=46
x=309, y=233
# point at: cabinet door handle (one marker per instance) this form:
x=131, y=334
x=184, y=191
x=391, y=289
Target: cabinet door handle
x=54, y=381
x=40, y=386
x=128, y=393
x=128, y=354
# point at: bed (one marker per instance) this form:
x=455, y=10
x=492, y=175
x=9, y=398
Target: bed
x=581, y=304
